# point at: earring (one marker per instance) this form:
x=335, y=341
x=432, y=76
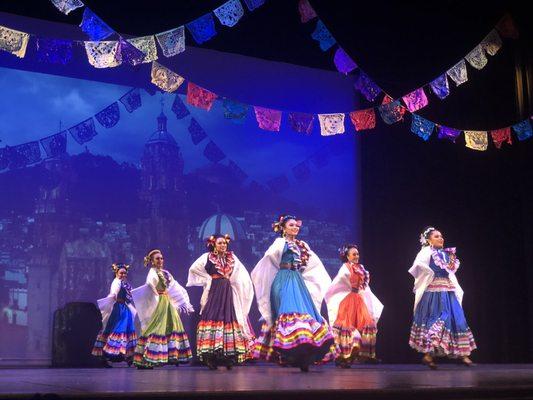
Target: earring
x=215, y=252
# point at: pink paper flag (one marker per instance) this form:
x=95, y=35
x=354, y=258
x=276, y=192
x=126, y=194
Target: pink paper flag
x=267, y=118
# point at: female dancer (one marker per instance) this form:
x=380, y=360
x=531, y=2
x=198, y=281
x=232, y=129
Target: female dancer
x=163, y=339
x=353, y=310
x=117, y=339
x=223, y=336
x=290, y=282
x=439, y=325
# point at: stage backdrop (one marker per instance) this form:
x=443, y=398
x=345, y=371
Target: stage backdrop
x=148, y=182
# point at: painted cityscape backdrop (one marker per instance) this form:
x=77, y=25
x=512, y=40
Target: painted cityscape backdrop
x=140, y=185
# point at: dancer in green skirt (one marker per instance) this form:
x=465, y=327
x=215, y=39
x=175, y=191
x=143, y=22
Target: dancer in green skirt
x=163, y=339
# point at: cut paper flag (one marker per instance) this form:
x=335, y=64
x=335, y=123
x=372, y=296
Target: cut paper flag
x=440, y=86
x=458, y=73
x=391, y=111
x=197, y=132
x=131, y=100
x=302, y=172
x=172, y=42
x=448, y=133
x=331, y=124
x=237, y=172
x=145, y=44
x=104, y=54
x=367, y=87
x=84, y=131
x=109, y=116
x=363, y=119
x=202, y=29
x=54, y=51
x=415, y=100
x=421, y=127
x=129, y=53
x=5, y=159
x=279, y=184
x=307, y=13
x=301, y=122
x=94, y=27
x=523, y=130
x=253, y=4
x=235, y=111
x=343, y=61
x=66, y=6
x=25, y=154
x=477, y=58
x=492, y=43
x=200, y=97
x=323, y=36
x=14, y=42
x=55, y=145
x=179, y=108
x=267, y=118
x=507, y=28
x=165, y=79
x=213, y=153
x=501, y=136
x=229, y=13
x=476, y=140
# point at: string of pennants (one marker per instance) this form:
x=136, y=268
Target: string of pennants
x=392, y=110
x=55, y=145
x=104, y=53
x=301, y=171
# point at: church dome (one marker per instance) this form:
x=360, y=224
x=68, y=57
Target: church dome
x=162, y=135
x=221, y=224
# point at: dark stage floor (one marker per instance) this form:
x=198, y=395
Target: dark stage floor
x=272, y=382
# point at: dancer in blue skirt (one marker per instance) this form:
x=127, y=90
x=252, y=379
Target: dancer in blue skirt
x=117, y=339
x=439, y=325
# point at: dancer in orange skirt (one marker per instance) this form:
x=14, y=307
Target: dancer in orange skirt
x=353, y=310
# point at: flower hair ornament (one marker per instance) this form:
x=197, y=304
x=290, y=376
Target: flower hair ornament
x=278, y=225
x=148, y=258
x=211, y=240
x=343, y=251
x=117, y=267
x=424, y=236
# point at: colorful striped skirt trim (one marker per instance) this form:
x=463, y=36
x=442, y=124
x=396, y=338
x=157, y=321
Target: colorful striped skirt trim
x=115, y=345
x=159, y=350
x=220, y=340
x=438, y=340
x=295, y=335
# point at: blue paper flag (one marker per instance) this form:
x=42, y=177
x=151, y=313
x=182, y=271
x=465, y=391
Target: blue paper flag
x=54, y=51
x=202, y=29
x=323, y=36
x=440, y=86
x=84, y=131
x=213, y=153
x=131, y=100
x=523, y=130
x=235, y=111
x=197, y=132
x=179, y=108
x=421, y=127
x=94, y=27
x=25, y=154
x=253, y=4
x=109, y=116
x=55, y=145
